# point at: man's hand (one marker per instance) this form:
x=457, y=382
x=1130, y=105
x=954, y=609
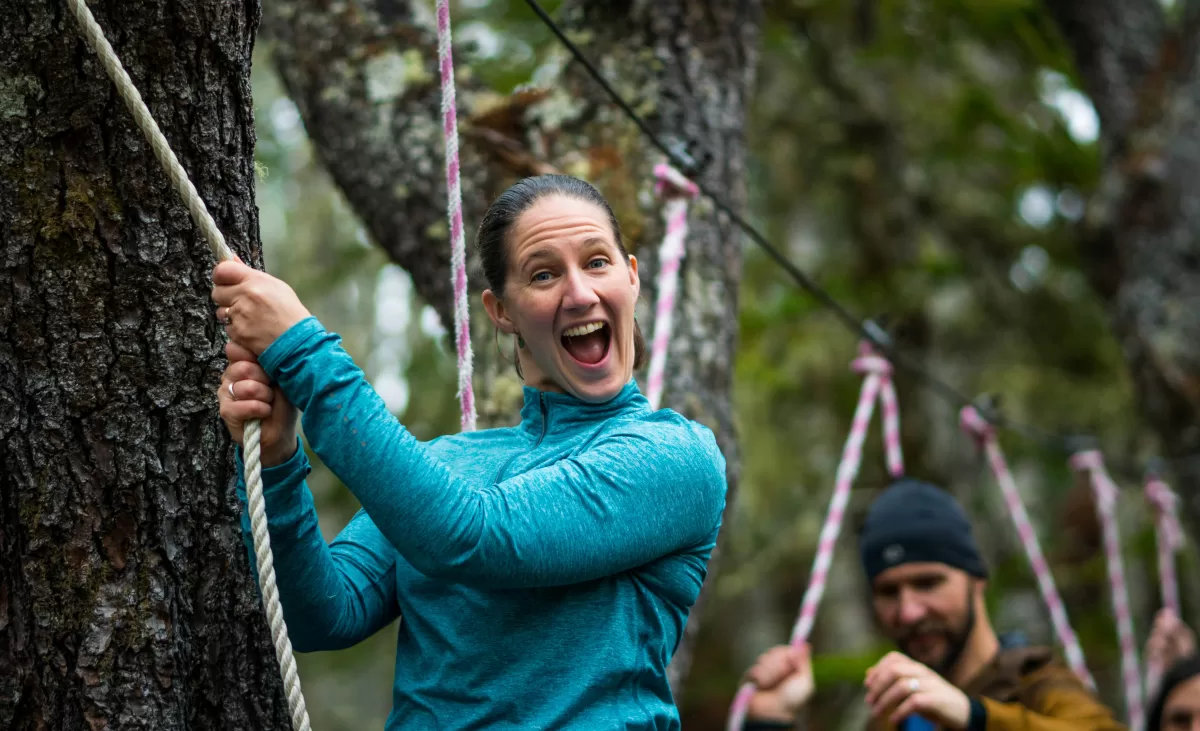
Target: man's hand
x=784, y=679
x=900, y=686
x=1170, y=640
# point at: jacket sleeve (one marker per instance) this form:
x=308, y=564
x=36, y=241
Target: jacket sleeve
x=334, y=595
x=636, y=494
x=1066, y=706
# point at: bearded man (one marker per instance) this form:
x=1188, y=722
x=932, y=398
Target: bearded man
x=951, y=670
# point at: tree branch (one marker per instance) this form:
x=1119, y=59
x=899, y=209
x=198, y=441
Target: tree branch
x=364, y=78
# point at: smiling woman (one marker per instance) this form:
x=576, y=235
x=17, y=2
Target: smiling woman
x=563, y=283
x=544, y=571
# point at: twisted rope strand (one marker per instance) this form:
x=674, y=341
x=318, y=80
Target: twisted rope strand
x=985, y=434
x=678, y=190
x=458, y=245
x=253, y=451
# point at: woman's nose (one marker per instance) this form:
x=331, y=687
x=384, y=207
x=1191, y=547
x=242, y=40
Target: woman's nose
x=579, y=294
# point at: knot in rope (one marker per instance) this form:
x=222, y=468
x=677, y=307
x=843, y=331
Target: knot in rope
x=869, y=363
x=1092, y=462
x=672, y=183
x=973, y=423
x=1166, y=506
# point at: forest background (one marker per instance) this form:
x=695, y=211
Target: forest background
x=1003, y=183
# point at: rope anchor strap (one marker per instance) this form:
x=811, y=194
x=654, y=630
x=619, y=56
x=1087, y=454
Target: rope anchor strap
x=1106, y=492
x=678, y=192
x=983, y=432
x=254, y=489
x=877, y=384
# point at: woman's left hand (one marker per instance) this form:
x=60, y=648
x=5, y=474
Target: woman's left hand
x=255, y=307
x=903, y=686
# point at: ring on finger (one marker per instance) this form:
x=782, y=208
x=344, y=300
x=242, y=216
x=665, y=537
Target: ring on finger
x=913, y=685
x=231, y=393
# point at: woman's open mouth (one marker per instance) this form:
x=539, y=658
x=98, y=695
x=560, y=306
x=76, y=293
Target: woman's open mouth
x=588, y=344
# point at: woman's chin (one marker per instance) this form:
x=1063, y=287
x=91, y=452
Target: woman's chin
x=596, y=387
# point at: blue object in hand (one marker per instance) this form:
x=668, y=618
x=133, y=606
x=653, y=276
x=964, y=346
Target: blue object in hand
x=917, y=723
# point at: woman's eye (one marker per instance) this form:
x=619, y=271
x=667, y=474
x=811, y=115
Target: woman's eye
x=541, y=277
x=597, y=263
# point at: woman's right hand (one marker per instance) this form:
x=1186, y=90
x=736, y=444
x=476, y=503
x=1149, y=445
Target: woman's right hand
x=783, y=677
x=245, y=394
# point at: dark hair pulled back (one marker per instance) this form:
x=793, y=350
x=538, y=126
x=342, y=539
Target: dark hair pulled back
x=492, y=240
x=1178, y=674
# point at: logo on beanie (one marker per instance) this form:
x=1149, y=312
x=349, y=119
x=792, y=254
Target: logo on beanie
x=893, y=553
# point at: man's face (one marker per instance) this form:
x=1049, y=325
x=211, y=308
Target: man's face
x=927, y=610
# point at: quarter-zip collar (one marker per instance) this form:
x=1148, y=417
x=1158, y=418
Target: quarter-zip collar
x=546, y=413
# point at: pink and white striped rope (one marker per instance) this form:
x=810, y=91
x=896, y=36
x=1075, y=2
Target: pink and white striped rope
x=678, y=191
x=458, y=245
x=985, y=434
x=1106, y=491
x=878, y=381
x=1169, y=537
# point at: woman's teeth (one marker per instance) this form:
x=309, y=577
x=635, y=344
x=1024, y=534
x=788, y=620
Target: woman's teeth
x=578, y=330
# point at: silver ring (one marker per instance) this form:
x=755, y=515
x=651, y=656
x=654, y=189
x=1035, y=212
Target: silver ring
x=913, y=684
x=232, y=395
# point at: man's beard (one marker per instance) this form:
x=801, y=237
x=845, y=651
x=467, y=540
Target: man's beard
x=956, y=641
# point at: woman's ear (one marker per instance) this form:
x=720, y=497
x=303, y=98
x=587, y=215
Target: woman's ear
x=634, y=278
x=498, y=312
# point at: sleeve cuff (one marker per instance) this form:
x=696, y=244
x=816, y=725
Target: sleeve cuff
x=977, y=721
x=293, y=339
x=281, y=476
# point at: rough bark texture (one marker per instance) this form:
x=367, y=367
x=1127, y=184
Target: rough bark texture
x=125, y=594
x=1140, y=244
x=364, y=78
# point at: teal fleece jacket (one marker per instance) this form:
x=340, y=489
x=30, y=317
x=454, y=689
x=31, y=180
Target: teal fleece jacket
x=544, y=572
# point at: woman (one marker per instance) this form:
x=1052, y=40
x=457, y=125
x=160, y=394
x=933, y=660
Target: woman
x=544, y=571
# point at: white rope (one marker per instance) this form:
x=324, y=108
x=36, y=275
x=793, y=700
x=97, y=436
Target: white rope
x=254, y=489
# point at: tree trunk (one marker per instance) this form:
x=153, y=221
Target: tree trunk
x=367, y=87
x=126, y=599
x=1140, y=235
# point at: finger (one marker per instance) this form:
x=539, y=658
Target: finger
x=884, y=679
x=231, y=273
x=884, y=663
x=244, y=370
x=915, y=704
x=252, y=391
x=235, y=352
x=893, y=696
x=768, y=673
x=239, y=412
x=772, y=667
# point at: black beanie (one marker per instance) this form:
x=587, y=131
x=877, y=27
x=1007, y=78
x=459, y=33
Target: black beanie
x=913, y=521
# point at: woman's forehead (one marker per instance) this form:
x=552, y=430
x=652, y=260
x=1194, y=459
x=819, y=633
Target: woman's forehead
x=561, y=217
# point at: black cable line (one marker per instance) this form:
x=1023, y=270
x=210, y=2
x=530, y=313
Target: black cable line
x=866, y=329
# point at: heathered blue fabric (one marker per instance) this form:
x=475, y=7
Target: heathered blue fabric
x=544, y=572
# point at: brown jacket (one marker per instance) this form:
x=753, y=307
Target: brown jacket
x=1026, y=689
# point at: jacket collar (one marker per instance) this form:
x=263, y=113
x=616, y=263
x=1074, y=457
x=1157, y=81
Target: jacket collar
x=545, y=413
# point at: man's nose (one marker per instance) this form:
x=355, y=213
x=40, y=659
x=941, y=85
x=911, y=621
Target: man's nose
x=912, y=609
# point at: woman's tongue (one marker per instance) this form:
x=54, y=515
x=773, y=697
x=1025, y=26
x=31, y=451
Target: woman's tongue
x=590, y=348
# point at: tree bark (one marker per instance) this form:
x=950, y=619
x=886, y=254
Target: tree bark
x=688, y=64
x=126, y=599
x=1139, y=239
